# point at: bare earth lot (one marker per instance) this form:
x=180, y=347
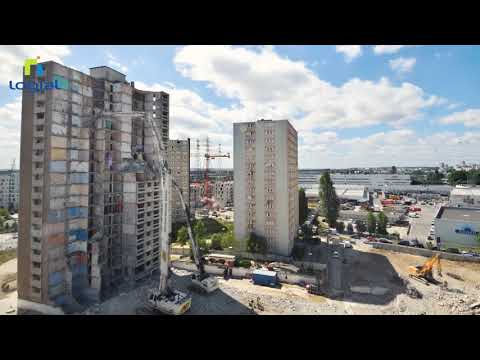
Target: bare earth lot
x=366, y=268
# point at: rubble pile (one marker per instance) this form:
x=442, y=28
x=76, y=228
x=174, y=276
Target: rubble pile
x=455, y=303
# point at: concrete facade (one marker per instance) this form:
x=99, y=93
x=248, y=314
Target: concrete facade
x=179, y=163
x=222, y=192
x=89, y=214
x=9, y=189
x=266, y=183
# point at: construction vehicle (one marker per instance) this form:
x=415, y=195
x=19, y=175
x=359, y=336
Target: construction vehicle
x=424, y=272
x=200, y=280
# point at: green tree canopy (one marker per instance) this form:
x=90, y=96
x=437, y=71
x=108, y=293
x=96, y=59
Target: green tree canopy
x=216, y=242
x=382, y=223
x=182, y=235
x=361, y=227
x=199, y=229
x=256, y=244
x=371, y=223
x=302, y=206
x=328, y=199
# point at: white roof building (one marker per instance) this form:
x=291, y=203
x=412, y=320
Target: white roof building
x=465, y=197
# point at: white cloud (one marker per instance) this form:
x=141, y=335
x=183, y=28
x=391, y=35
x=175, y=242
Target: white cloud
x=402, y=65
x=454, y=106
x=350, y=51
x=193, y=117
x=266, y=85
x=401, y=147
x=114, y=63
x=389, y=49
x=10, y=120
x=469, y=118
x=12, y=58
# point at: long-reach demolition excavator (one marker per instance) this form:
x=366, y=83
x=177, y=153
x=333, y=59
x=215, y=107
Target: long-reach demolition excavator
x=165, y=299
x=424, y=272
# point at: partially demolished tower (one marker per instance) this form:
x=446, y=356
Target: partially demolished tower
x=90, y=207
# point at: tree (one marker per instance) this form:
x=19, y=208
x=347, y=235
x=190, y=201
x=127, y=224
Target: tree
x=382, y=223
x=329, y=201
x=256, y=244
x=350, y=229
x=199, y=229
x=216, y=242
x=457, y=177
x=302, y=206
x=371, y=223
x=182, y=235
x=4, y=213
x=361, y=226
x=394, y=169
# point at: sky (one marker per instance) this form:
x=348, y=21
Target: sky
x=352, y=105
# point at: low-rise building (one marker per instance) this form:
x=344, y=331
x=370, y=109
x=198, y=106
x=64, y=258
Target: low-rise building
x=371, y=181
x=457, y=227
x=465, y=197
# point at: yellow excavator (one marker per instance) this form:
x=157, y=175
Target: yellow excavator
x=424, y=272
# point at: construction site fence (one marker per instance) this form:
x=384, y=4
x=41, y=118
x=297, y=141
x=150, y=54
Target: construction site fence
x=425, y=252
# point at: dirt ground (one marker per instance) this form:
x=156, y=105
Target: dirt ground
x=8, y=287
x=383, y=272
x=380, y=271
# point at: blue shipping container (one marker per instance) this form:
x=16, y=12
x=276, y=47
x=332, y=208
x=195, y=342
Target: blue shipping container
x=264, y=277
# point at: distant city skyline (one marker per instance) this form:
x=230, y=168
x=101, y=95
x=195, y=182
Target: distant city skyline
x=352, y=105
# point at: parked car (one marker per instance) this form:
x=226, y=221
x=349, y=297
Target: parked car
x=404, y=243
x=385, y=241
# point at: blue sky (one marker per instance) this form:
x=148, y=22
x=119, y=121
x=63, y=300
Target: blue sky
x=352, y=105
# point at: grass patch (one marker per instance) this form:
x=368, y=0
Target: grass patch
x=7, y=255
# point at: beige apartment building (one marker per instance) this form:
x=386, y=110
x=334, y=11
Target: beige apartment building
x=179, y=164
x=89, y=201
x=266, y=183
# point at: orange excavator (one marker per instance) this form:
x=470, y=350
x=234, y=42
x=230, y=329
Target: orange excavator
x=425, y=272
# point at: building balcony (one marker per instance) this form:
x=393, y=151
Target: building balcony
x=36, y=271
x=37, y=233
x=38, y=122
x=37, y=157
x=39, y=133
x=37, y=283
x=36, y=195
x=37, y=182
x=37, y=171
x=37, y=208
x=37, y=258
x=39, y=146
x=36, y=245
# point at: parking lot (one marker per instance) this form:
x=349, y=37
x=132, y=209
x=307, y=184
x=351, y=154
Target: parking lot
x=420, y=227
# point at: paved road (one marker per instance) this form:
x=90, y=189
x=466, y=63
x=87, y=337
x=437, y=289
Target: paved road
x=421, y=226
